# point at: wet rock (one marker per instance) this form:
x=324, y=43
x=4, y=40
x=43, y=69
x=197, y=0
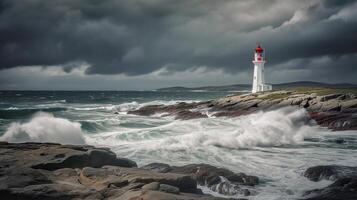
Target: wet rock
x=330, y=172
x=217, y=179
x=340, y=109
x=342, y=189
x=146, y=110
x=208, y=174
x=186, y=114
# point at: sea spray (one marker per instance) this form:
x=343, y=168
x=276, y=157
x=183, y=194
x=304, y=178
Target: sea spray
x=44, y=127
x=271, y=128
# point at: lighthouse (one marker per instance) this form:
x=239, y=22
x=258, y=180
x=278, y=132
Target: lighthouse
x=258, y=77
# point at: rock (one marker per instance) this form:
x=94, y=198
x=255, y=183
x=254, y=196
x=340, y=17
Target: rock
x=217, y=179
x=330, y=172
x=92, y=158
x=54, y=156
x=207, y=174
x=340, y=108
x=21, y=177
x=151, y=186
x=32, y=171
x=333, y=105
x=349, y=104
x=335, y=121
x=342, y=189
x=50, y=192
x=146, y=110
x=108, y=175
x=329, y=97
x=169, y=189
x=158, y=167
x=159, y=195
x=186, y=114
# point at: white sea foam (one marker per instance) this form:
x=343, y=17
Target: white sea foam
x=272, y=128
x=44, y=127
x=261, y=144
x=12, y=108
x=124, y=107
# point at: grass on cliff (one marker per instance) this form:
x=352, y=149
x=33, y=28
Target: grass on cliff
x=308, y=90
x=325, y=91
x=275, y=96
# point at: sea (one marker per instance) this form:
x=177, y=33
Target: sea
x=277, y=146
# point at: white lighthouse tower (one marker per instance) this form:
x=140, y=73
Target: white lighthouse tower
x=258, y=77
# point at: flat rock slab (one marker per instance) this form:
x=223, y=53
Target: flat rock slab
x=33, y=171
x=338, y=111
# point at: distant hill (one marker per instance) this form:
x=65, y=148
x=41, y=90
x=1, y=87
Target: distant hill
x=243, y=87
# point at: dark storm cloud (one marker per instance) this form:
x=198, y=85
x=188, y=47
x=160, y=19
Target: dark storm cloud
x=140, y=36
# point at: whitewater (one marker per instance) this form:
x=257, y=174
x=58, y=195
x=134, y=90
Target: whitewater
x=277, y=146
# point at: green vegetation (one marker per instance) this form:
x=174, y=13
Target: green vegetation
x=319, y=91
x=273, y=96
x=324, y=91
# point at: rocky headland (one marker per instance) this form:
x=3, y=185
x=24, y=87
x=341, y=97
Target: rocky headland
x=334, y=108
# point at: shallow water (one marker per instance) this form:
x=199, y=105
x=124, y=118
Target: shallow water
x=276, y=146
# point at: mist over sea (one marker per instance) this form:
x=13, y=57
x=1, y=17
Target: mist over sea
x=277, y=146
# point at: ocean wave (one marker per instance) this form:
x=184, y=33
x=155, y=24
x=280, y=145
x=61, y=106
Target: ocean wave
x=15, y=112
x=44, y=127
x=95, y=107
x=123, y=108
x=271, y=128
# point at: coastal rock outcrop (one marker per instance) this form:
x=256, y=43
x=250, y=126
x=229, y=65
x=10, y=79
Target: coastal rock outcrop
x=330, y=172
x=332, y=108
x=344, y=187
x=217, y=179
x=50, y=171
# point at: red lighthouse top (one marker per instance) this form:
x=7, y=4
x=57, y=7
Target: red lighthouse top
x=258, y=49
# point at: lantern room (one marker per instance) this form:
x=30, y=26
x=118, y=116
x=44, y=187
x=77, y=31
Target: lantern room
x=259, y=54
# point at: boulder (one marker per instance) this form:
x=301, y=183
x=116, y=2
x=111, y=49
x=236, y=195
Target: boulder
x=330, y=172
x=217, y=179
x=169, y=189
x=341, y=189
x=158, y=167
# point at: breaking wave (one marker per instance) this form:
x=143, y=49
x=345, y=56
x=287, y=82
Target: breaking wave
x=44, y=127
x=271, y=128
x=15, y=113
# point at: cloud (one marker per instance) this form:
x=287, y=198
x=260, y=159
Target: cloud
x=139, y=37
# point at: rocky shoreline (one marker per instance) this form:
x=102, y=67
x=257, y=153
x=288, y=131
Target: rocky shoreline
x=54, y=171
x=334, y=109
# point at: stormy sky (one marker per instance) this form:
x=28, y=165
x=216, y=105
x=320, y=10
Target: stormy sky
x=147, y=44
